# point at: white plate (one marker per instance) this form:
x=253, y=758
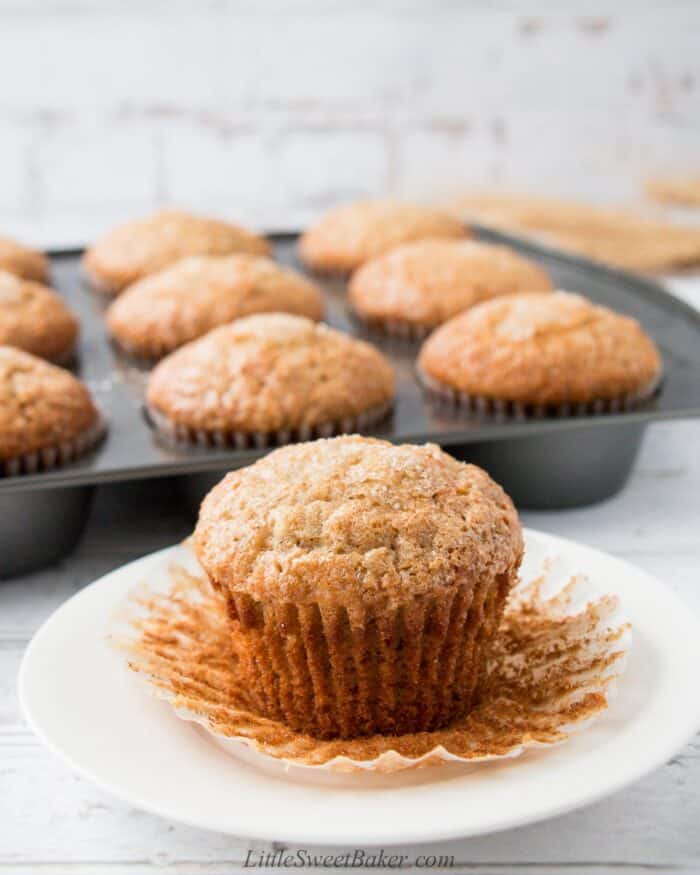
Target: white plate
x=87, y=707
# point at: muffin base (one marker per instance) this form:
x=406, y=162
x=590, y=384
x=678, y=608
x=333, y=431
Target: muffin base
x=182, y=435
x=49, y=458
x=481, y=405
x=400, y=328
x=331, y=673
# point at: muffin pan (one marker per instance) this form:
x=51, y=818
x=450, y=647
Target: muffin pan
x=542, y=463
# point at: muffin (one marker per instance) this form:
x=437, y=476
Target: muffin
x=269, y=379
x=141, y=247
x=364, y=582
x=35, y=319
x=540, y=353
x=348, y=236
x=168, y=309
x=414, y=288
x=47, y=417
x=22, y=261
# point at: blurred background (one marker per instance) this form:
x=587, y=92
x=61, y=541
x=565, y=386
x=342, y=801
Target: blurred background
x=270, y=112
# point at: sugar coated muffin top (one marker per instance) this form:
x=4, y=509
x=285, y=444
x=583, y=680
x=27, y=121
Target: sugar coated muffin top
x=143, y=246
x=174, y=306
x=346, y=237
x=428, y=282
x=356, y=520
x=23, y=261
x=269, y=372
x=41, y=405
x=543, y=349
x=34, y=318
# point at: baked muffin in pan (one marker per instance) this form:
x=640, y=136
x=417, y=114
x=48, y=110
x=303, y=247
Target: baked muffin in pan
x=164, y=311
x=47, y=416
x=269, y=379
x=554, y=354
x=23, y=261
x=34, y=318
x=414, y=288
x=348, y=236
x=143, y=246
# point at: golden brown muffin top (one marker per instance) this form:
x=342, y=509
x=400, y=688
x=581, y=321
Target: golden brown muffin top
x=168, y=309
x=41, y=405
x=542, y=349
x=348, y=236
x=143, y=246
x=270, y=372
x=353, y=521
x=35, y=319
x=22, y=261
x=430, y=281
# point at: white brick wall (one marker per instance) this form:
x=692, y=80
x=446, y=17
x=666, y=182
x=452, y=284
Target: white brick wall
x=270, y=111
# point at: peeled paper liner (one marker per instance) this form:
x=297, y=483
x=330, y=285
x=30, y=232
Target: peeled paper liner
x=484, y=406
x=182, y=435
x=561, y=647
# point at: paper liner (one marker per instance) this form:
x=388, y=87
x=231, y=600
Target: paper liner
x=182, y=435
x=332, y=672
x=481, y=405
x=399, y=328
x=49, y=458
x=552, y=670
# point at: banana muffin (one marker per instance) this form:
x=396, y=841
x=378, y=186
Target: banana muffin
x=364, y=582
x=143, y=246
x=414, y=288
x=22, y=261
x=267, y=379
x=47, y=416
x=555, y=352
x=181, y=303
x=348, y=236
x=35, y=319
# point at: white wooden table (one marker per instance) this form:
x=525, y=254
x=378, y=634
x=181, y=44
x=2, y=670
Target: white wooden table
x=52, y=821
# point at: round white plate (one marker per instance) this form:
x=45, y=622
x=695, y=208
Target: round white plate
x=87, y=707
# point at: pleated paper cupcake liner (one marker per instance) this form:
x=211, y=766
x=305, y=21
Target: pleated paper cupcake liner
x=401, y=329
x=551, y=670
x=49, y=458
x=136, y=356
x=68, y=359
x=331, y=672
x=480, y=405
x=182, y=435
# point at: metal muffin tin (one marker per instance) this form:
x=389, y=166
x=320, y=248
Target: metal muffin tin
x=542, y=463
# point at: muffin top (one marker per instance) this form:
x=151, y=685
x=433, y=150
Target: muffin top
x=354, y=521
x=143, y=246
x=41, y=405
x=430, y=281
x=347, y=236
x=23, y=261
x=542, y=349
x=168, y=309
x=35, y=319
x=269, y=372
